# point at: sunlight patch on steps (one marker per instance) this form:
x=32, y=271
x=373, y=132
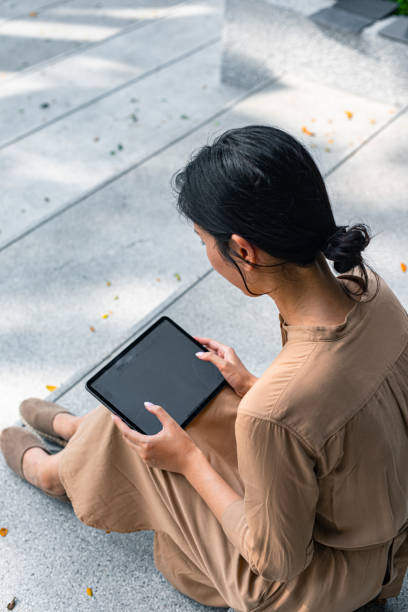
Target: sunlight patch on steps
x=100, y=72
x=137, y=13
x=55, y=30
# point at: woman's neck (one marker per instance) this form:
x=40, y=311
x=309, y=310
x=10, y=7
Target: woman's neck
x=315, y=297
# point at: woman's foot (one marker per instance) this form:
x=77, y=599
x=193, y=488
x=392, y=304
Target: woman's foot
x=65, y=425
x=41, y=470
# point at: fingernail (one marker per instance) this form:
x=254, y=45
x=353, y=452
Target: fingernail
x=148, y=404
x=199, y=353
x=113, y=418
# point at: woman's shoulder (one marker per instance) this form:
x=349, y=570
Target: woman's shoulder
x=317, y=383
x=269, y=398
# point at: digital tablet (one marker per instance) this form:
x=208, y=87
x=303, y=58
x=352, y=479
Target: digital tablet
x=160, y=366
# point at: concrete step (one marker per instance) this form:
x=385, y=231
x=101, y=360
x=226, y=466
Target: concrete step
x=63, y=28
x=54, y=279
x=21, y=8
x=55, y=160
x=297, y=36
x=80, y=79
x=49, y=558
x=55, y=167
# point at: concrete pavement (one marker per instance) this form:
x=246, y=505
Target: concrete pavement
x=112, y=218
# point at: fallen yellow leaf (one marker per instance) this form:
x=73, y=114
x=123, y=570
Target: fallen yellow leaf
x=349, y=114
x=403, y=266
x=108, y=283
x=116, y=297
x=91, y=327
x=177, y=276
x=107, y=531
x=89, y=592
x=105, y=316
x=306, y=131
x=51, y=387
x=3, y=531
x=33, y=14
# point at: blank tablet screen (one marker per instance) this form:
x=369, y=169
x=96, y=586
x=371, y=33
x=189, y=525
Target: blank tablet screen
x=160, y=367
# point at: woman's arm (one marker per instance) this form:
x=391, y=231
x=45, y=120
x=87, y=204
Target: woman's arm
x=272, y=524
x=272, y=527
x=209, y=484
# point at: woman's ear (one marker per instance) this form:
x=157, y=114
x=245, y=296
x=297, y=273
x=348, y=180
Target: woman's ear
x=244, y=249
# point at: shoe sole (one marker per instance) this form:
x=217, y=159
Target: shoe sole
x=59, y=441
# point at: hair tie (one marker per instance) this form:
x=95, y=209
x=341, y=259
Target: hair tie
x=332, y=240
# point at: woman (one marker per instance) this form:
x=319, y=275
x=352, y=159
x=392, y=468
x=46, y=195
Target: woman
x=288, y=492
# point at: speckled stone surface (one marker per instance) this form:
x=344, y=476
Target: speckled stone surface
x=54, y=274
x=263, y=37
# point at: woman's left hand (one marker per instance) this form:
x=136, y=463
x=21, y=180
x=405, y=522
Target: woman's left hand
x=170, y=449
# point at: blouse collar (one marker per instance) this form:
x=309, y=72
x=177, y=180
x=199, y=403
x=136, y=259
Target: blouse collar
x=331, y=332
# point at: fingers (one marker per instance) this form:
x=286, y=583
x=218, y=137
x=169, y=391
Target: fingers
x=160, y=413
x=130, y=434
x=214, y=358
x=214, y=344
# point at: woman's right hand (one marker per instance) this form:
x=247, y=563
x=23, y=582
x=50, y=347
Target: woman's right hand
x=228, y=363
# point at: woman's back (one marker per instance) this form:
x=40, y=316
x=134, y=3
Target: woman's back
x=322, y=441
x=349, y=402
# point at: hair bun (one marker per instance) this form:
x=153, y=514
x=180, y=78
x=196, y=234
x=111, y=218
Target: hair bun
x=345, y=245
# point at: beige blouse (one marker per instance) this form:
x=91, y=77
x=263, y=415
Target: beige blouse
x=322, y=443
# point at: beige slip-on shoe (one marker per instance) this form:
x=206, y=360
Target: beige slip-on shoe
x=14, y=442
x=38, y=414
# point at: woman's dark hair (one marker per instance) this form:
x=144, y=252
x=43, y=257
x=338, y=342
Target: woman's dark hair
x=259, y=182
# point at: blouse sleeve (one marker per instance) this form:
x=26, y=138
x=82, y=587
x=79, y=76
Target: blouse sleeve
x=272, y=526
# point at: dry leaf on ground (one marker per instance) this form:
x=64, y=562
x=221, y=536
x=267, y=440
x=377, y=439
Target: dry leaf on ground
x=11, y=604
x=306, y=131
